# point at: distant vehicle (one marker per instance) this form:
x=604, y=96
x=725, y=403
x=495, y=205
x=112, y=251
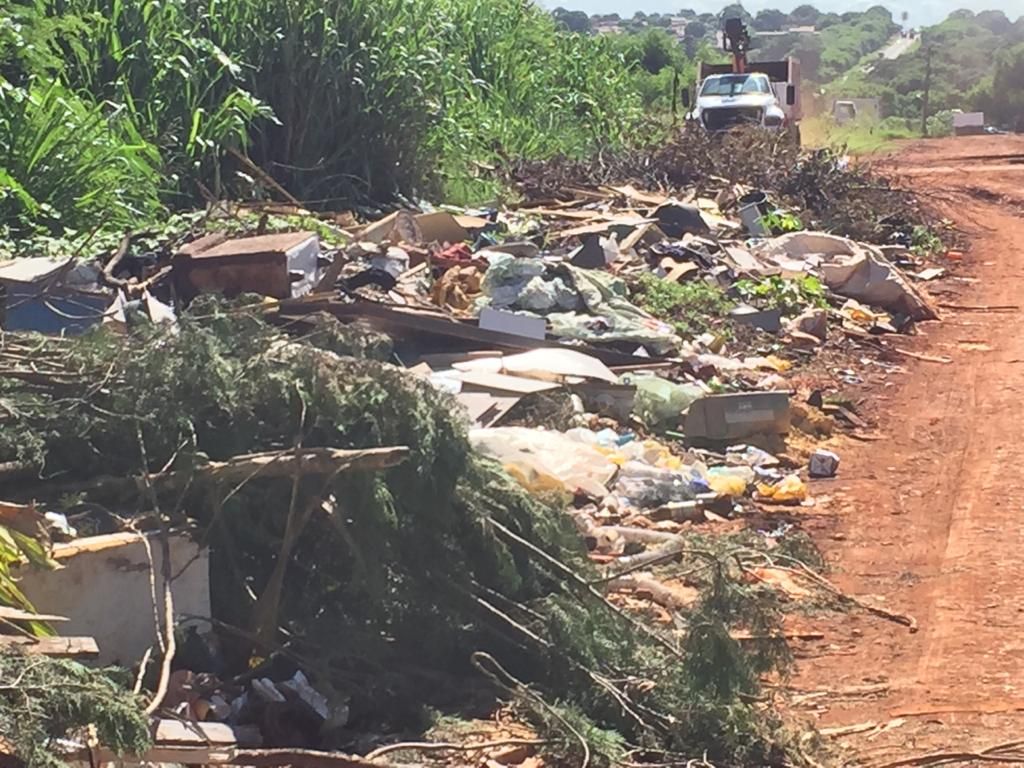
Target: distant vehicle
x=746, y=93
x=993, y=131
x=844, y=112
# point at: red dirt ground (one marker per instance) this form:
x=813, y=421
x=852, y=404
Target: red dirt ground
x=930, y=520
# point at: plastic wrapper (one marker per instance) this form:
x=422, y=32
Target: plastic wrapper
x=660, y=401
x=789, y=489
x=546, y=460
x=642, y=485
x=730, y=481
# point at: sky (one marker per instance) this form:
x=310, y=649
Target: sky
x=922, y=12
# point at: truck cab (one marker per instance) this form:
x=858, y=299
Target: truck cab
x=728, y=100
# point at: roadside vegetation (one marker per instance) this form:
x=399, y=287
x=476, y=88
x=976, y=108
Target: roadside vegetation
x=110, y=109
x=977, y=64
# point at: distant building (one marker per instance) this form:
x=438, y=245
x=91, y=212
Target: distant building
x=968, y=123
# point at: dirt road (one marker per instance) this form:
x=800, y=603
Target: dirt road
x=898, y=47
x=930, y=519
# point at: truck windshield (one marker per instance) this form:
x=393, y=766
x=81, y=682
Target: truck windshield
x=734, y=85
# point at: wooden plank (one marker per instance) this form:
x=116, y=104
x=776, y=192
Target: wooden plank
x=56, y=647
x=603, y=226
x=418, y=324
x=485, y=408
x=632, y=193
x=301, y=758
x=554, y=214
x=502, y=382
x=16, y=614
x=309, y=461
x=169, y=733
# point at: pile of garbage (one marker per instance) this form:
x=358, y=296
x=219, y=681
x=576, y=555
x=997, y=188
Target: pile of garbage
x=349, y=428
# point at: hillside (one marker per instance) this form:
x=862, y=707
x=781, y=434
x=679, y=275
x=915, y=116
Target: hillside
x=834, y=47
x=966, y=50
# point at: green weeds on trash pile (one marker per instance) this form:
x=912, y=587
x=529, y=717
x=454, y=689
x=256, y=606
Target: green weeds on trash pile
x=440, y=569
x=790, y=295
x=692, y=308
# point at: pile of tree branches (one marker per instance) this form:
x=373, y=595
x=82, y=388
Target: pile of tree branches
x=826, y=190
x=396, y=588
x=43, y=699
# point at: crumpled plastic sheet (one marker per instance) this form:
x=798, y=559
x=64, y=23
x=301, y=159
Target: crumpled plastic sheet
x=545, y=460
x=582, y=304
x=854, y=270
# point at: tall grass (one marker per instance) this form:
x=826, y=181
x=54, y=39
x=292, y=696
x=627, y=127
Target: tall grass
x=346, y=99
x=68, y=163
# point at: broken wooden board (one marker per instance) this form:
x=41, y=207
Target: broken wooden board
x=413, y=324
x=550, y=213
x=630, y=192
x=16, y=614
x=504, y=383
x=680, y=271
x=55, y=647
x=486, y=408
x=183, y=743
x=648, y=233
x=602, y=227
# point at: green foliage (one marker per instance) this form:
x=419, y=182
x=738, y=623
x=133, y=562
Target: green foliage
x=770, y=20
x=804, y=15
x=838, y=46
x=1001, y=97
x=924, y=241
x=651, y=50
x=791, y=296
x=339, y=99
x=968, y=50
x=660, y=66
x=734, y=11
x=19, y=543
x=572, y=21
x=68, y=162
x=692, y=307
x=110, y=105
x=43, y=699
x=781, y=222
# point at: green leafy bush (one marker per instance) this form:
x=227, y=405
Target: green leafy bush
x=345, y=98
x=692, y=307
x=66, y=162
x=791, y=296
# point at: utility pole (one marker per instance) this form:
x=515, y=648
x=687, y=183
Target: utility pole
x=927, y=87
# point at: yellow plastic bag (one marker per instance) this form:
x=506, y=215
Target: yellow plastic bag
x=727, y=485
x=789, y=489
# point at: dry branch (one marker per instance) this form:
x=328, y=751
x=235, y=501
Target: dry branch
x=309, y=461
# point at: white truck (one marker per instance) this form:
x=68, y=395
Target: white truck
x=766, y=95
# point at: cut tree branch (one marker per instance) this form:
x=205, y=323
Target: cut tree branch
x=309, y=461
